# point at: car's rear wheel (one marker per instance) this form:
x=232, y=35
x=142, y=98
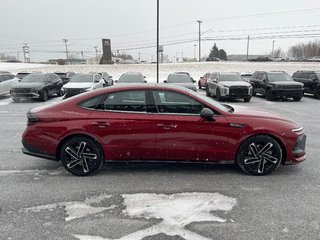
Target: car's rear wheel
x=199, y=85
x=81, y=156
x=270, y=95
x=259, y=155
x=247, y=99
x=44, y=96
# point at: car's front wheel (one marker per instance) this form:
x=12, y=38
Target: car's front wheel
x=81, y=156
x=207, y=91
x=317, y=92
x=259, y=155
x=247, y=99
x=44, y=96
x=270, y=95
x=297, y=98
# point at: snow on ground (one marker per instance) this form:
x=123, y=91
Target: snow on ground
x=149, y=70
x=175, y=211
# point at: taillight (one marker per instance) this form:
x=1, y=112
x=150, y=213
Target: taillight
x=32, y=118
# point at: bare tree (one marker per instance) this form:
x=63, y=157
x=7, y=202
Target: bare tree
x=305, y=50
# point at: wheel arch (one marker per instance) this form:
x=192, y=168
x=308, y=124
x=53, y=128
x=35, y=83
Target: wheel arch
x=77, y=135
x=279, y=141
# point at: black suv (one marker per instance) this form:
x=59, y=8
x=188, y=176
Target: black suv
x=37, y=85
x=276, y=84
x=310, y=80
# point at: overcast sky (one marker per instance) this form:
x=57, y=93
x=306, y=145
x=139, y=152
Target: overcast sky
x=132, y=24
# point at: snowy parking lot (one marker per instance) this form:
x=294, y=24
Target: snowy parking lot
x=40, y=200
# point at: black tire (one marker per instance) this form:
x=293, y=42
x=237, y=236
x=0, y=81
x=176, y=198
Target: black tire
x=254, y=93
x=297, y=98
x=208, y=92
x=44, y=96
x=16, y=100
x=218, y=95
x=247, y=99
x=270, y=95
x=317, y=92
x=60, y=92
x=259, y=155
x=81, y=156
x=199, y=86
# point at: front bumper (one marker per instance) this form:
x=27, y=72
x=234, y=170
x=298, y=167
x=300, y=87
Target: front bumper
x=25, y=95
x=298, y=153
x=288, y=93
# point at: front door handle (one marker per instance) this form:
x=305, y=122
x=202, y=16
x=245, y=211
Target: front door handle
x=101, y=124
x=167, y=126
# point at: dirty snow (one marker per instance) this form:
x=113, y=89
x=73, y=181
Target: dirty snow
x=75, y=210
x=175, y=210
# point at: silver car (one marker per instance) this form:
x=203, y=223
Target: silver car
x=228, y=85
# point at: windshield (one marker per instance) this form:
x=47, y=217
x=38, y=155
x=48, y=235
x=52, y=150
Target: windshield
x=230, y=77
x=181, y=78
x=277, y=77
x=82, y=78
x=34, y=78
x=130, y=79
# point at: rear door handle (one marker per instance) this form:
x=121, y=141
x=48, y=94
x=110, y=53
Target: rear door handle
x=167, y=126
x=101, y=124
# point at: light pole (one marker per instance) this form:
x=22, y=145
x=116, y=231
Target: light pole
x=199, y=21
x=67, y=53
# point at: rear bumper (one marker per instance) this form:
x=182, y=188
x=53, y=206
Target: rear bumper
x=28, y=150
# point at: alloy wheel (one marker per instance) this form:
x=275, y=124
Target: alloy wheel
x=259, y=155
x=81, y=156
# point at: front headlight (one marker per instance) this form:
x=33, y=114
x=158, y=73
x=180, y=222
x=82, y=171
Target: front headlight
x=225, y=90
x=296, y=130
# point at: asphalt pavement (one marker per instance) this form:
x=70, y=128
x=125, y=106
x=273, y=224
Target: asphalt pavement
x=40, y=200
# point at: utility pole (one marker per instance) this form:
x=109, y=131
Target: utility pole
x=26, y=53
x=248, y=48
x=139, y=59
x=195, y=52
x=67, y=53
x=199, y=39
x=182, y=57
x=273, y=49
x=157, y=41
x=96, y=54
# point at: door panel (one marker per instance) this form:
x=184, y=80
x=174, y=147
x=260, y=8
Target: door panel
x=190, y=138
x=125, y=136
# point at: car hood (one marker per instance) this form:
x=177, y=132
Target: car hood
x=29, y=85
x=235, y=83
x=249, y=112
x=287, y=83
x=79, y=85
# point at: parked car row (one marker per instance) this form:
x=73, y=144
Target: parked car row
x=271, y=84
x=41, y=86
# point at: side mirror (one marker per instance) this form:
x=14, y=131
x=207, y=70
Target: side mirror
x=145, y=81
x=207, y=114
x=165, y=81
x=116, y=81
x=264, y=80
x=193, y=80
x=315, y=80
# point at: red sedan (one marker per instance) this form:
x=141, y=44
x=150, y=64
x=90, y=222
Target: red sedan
x=150, y=122
x=202, y=83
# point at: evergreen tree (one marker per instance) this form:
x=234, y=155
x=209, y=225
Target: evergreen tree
x=223, y=55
